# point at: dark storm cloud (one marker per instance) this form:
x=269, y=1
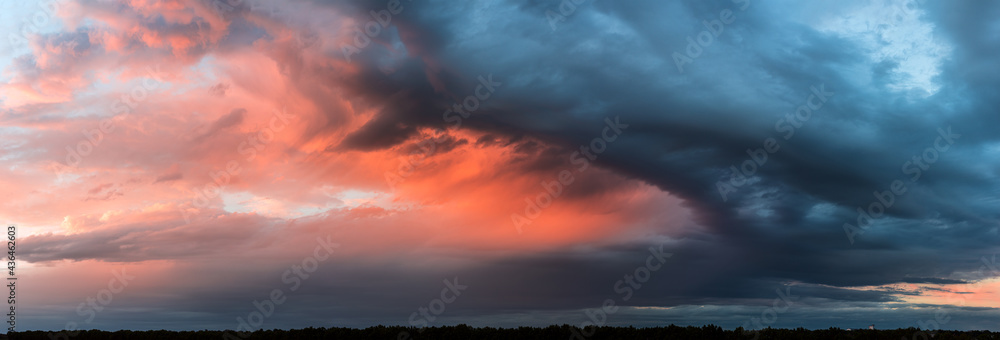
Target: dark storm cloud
x=686, y=130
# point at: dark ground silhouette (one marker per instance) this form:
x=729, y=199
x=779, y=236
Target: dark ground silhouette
x=550, y=332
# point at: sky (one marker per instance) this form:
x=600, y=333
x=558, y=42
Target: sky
x=241, y=164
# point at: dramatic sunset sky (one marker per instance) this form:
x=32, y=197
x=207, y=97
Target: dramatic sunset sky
x=206, y=148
